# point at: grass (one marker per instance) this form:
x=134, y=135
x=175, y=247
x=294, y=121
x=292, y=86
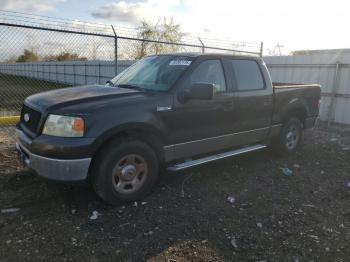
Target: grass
x=14, y=89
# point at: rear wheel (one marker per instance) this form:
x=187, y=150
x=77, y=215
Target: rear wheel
x=125, y=171
x=289, y=138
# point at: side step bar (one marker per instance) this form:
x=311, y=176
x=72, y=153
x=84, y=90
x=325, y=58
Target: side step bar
x=200, y=161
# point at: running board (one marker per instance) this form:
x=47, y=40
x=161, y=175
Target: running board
x=208, y=159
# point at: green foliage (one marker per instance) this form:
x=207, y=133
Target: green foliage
x=28, y=56
x=65, y=56
x=31, y=56
x=165, y=30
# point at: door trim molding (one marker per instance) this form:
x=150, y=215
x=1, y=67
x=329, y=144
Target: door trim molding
x=211, y=144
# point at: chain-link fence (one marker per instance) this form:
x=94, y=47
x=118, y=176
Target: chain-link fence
x=40, y=53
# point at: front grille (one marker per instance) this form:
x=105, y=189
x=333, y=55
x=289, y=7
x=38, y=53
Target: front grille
x=30, y=118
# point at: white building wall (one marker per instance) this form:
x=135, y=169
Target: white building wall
x=69, y=72
x=318, y=67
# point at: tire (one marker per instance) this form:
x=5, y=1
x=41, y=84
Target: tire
x=288, y=141
x=124, y=171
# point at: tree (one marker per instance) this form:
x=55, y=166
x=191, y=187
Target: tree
x=165, y=30
x=145, y=31
x=65, y=56
x=28, y=56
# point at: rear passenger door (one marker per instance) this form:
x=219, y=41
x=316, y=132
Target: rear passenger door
x=253, y=101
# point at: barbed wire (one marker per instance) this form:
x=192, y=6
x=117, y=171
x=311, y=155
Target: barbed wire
x=20, y=18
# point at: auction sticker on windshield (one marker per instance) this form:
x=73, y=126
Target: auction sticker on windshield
x=180, y=62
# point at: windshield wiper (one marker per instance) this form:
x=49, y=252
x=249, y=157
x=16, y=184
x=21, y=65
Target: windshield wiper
x=131, y=86
x=110, y=83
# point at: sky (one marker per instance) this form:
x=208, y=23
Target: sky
x=291, y=24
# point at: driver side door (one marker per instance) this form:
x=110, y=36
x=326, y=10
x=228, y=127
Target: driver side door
x=202, y=126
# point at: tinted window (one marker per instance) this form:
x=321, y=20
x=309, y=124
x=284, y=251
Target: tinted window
x=211, y=72
x=248, y=75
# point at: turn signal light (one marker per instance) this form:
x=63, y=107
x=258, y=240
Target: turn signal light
x=78, y=125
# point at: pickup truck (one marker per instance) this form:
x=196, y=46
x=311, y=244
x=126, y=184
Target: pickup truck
x=165, y=112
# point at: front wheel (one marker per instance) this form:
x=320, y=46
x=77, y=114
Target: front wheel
x=124, y=171
x=289, y=138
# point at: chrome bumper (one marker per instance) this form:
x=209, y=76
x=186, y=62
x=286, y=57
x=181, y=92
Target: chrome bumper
x=55, y=169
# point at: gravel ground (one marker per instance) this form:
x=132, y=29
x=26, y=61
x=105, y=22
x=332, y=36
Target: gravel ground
x=303, y=217
x=7, y=138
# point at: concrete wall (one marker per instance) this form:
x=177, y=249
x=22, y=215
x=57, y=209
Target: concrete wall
x=69, y=72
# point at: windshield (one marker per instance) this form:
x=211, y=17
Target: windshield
x=156, y=73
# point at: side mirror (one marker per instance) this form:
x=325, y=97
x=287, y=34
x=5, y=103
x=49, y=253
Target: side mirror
x=201, y=91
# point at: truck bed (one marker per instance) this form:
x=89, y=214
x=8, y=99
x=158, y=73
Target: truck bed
x=287, y=94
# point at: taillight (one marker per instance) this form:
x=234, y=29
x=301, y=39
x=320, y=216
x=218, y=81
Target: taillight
x=319, y=103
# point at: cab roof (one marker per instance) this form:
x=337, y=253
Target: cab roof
x=197, y=54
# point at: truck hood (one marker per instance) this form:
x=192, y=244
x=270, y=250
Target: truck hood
x=75, y=95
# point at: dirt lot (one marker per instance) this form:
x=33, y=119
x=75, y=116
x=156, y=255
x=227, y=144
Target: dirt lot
x=303, y=217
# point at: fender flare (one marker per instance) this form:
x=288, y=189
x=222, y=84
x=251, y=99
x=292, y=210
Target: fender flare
x=145, y=129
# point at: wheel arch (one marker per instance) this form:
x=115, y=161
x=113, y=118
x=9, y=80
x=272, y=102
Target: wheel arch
x=296, y=109
x=146, y=133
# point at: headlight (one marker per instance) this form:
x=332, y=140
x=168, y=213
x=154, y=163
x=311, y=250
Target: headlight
x=64, y=126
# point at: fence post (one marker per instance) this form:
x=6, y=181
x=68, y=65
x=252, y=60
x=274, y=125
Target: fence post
x=99, y=74
x=74, y=76
x=56, y=72
x=333, y=94
x=115, y=51
x=64, y=73
x=261, y=48
x=202, y=44
x=85, y=74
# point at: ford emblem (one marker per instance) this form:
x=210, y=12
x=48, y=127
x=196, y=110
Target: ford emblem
x=26, y=117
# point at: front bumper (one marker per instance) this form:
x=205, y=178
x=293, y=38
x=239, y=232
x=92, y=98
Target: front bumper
x=54, y=169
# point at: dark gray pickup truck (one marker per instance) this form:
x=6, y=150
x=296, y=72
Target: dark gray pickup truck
x=164, y=112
